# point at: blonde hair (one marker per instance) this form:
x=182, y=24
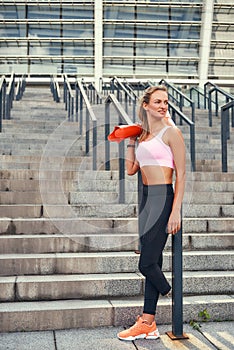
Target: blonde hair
x=142, y=112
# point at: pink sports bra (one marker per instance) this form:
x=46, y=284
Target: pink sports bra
x=155, y=152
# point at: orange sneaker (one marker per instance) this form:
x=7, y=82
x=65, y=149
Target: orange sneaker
x=140, y=330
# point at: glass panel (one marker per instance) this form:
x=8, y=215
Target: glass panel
x=78, y=30
x=13, y=48
x=12, y=12
x=185, y=14
x=13, y=30
x=118, y=31
x=152, y=13
x=116, y=67
x=77, y=12
x=43, y=12
x=151, y=49
x=118, y=49
x=119, y=12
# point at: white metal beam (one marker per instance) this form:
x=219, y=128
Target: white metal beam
x=98, y=38
x=206, y=31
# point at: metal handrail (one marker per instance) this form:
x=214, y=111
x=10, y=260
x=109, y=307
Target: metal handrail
x=10, y=94
x=2, y=100
x=95, y=96
x=82, y=97
x=199, y=95
x=225, y=130
x=175, y=111
x=217, y=91
x=20, y=88
x=54, y=87
x=128, y=96
x=68, y=98
x=124, y=119
x=179, y=97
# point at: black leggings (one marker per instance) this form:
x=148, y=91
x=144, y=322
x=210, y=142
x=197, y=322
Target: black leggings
x=154, y=211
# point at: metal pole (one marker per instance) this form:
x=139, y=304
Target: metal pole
x=224, y=140
x=107, y=131
x=121, y=173
x=177, y=288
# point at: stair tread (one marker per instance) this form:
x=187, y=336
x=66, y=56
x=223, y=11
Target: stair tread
x=112, y=302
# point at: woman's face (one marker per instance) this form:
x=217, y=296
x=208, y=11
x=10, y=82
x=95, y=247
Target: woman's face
x=158, y=104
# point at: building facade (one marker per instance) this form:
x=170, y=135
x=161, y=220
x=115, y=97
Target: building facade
x=139, y=39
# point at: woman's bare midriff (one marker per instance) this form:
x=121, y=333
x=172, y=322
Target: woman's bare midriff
x=156, y=175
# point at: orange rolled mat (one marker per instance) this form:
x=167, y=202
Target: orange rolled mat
x=122, y=132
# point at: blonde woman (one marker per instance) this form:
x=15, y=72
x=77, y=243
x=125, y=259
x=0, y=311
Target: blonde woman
x=159, y=155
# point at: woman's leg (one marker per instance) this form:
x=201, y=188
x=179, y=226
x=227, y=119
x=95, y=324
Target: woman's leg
x=154, y=217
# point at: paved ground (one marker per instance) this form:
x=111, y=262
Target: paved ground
x=215, y=335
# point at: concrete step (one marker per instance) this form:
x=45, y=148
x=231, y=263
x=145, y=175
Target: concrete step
x=29, y=174
x=106, y=262
x=67, y=314
x=59, y=243
x=30, y=185
x=93, y=286
x=110, y=225
x=65, y=210
x=111, y=196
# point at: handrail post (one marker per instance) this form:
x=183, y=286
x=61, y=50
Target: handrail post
x=87, y=125
x=225, y=131
x=107, y=131
x=177, y=287
x=94, y=145
x=121, y=172
x=210, y=107
x=224, y=139
x=81, y=113
x=192, y=146
x=1, y=103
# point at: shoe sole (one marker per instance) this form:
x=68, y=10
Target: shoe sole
x=142, y=336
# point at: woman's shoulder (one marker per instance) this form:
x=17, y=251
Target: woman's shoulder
x=173, y=133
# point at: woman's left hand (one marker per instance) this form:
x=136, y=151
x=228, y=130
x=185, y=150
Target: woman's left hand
x=174, y=222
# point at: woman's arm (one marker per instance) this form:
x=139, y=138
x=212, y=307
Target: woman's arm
x=176, y=142
x=132, y=165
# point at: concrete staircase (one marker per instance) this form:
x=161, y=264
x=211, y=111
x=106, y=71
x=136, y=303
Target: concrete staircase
x=67, y=247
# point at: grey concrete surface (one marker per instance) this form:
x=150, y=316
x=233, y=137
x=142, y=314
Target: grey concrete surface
x=213, y=336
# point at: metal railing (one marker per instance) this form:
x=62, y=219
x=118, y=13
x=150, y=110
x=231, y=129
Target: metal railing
x=84, y=104
x=178, y=97
x=7, y=94
x=217, y=91
x=129, y=97
x=3, y=85
x=10, y=94
x=20, y=88
x=176, y=112
x=199, y=96
x=68, y=98
x=54, y=87
x=123, y=119
x=226, y=111
x=93, y=95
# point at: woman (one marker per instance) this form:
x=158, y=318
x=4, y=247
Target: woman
x=160, y=154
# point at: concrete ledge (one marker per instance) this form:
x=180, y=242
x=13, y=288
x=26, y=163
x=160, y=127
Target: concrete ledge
x=68, y=226
x=92, y=286
x=55, y=315
x=32, y=316
x=59, y=243
x=106, y=262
